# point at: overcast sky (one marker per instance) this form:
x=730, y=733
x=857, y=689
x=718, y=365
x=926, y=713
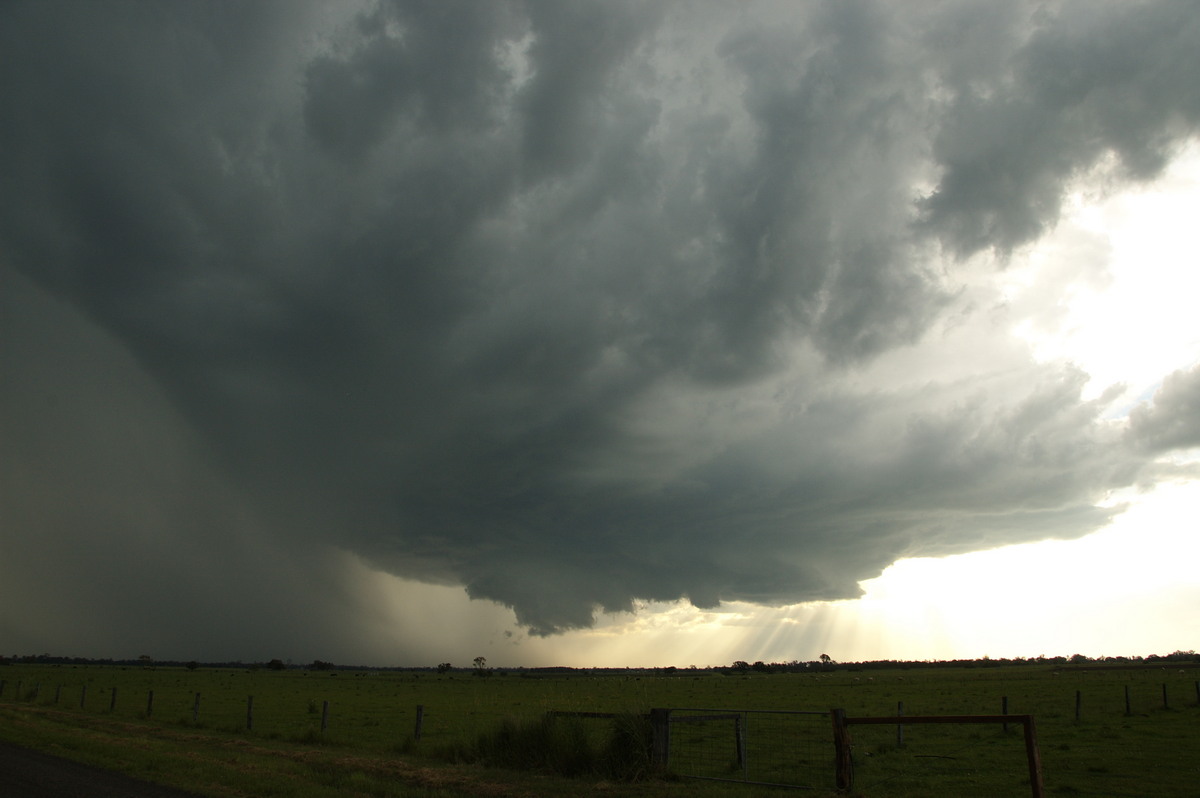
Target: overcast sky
x=373, y=331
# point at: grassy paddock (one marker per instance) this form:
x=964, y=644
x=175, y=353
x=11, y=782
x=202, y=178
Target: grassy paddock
x=1152, y=750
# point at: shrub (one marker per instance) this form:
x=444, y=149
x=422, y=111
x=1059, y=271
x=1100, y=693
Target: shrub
x=565, y=746
x=627, y=753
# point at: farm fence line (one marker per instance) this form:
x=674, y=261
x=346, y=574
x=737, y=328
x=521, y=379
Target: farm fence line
x=792, y=748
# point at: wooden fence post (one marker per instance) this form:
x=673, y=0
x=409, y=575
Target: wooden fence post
x=196, y=709
x=660, y=750
x=4, y=682
x=420, y=721
x=1165, y=706
x=324, y=716
x=739, y=742
x=1004, y=711
x=1078, y=703
x=57, y=693
x=843, y=761
x=1034, y=758
x=150, y=703
x=900, y=726
x=1127, y=710
x=249, y=712
x=112, y=702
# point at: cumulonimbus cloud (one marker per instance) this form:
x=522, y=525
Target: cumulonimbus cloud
x=576, y=305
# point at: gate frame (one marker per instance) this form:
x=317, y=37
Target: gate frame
x=845, y=766
x=661, y=720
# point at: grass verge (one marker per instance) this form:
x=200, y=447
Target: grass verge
x=226, y=765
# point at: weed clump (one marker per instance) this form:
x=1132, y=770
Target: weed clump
x=565, y=746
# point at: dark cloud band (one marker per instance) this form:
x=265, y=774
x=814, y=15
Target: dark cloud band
x=569, y=304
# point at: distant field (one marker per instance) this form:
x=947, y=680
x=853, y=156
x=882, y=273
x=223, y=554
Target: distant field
x=1154, y=750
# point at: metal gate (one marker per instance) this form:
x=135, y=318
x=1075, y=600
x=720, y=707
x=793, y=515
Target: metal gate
x=782, y=748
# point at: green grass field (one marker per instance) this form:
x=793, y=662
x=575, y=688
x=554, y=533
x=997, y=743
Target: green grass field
x=368, y=746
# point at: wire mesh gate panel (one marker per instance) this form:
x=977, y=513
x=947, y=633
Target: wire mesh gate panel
x=946, y=755
x=769, y=747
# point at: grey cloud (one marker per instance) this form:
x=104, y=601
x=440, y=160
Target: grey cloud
x=434, y=66
x=1114, y=83
x=575, y=49
x=565, y=303
x=1172, y=421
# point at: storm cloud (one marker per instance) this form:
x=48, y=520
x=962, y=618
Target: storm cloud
x=570, y=304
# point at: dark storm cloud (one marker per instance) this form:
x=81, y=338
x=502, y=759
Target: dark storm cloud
x=566, y=303
x=1085, y=86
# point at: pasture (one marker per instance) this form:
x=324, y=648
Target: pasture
x=1089, y=743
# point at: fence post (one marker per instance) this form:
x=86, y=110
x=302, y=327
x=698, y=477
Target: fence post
x=324, y=716
x=1165, y=696
x=1034, y=758
x=196, y=709
x=1078, y=703
x=1127, y=710
x=1198, y=692
x=149, y=703
x=660, y=747
x=1004, y=711
x=57, y=693
x=82, y=696
x=249, y=712
x=739, y=741
x=900, y=726
x=843, y=762
x=420, y=721
x=112, y=702
x=4, y=682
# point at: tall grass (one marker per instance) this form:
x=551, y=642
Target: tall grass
x=565, y=746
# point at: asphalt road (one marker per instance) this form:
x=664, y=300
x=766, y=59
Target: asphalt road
x=25, y=773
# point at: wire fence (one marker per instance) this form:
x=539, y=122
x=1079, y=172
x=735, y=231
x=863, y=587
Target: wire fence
x=764, y=747
x=960, y=755
x=1119, y=738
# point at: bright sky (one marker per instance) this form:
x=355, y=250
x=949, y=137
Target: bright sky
x=1131, y=585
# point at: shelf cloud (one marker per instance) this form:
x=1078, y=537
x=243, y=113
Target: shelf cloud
x=569, y=304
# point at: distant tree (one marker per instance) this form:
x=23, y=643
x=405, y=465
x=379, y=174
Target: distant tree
x=191, y=666
x=276, y=665
x=145, y=659
x=320, y=665
x=481, y=668
x=825, y=659
x=444, y=667
x=761, y=667
x=741, y=666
